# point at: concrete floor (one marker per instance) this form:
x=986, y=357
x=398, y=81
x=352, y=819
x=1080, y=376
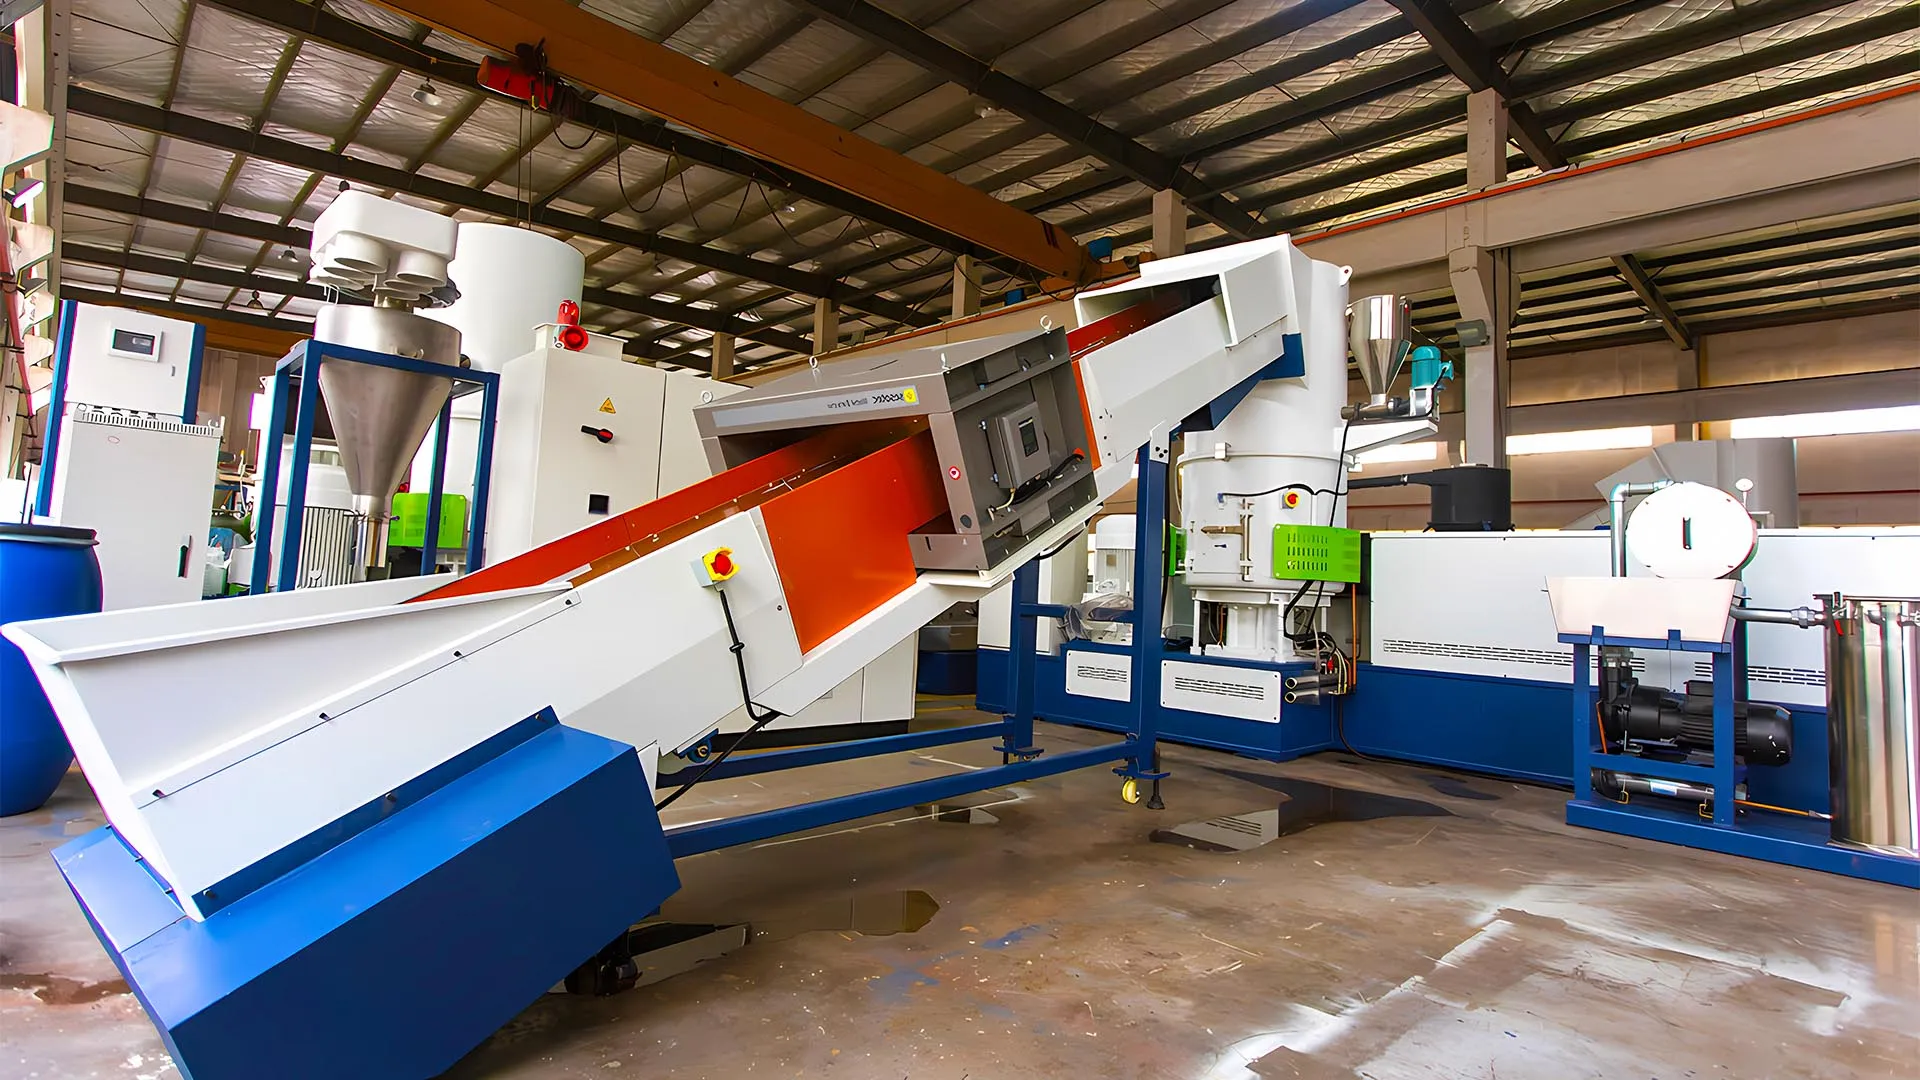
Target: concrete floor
x=1493, y=941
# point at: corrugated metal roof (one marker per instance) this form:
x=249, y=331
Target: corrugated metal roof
x=1233, y=89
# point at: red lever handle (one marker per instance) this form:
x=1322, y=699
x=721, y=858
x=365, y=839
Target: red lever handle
x=600, y=433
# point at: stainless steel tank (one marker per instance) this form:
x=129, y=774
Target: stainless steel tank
x=1873, y=703
x=381, y=414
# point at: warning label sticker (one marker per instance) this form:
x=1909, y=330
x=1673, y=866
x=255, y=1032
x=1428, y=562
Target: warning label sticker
x=607, y=406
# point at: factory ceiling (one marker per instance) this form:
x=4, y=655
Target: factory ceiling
x=204, y=136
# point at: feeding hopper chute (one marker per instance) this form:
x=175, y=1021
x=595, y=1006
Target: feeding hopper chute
x=381, y=414
x=1379, y=333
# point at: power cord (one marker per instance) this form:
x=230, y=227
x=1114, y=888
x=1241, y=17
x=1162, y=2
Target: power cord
x=760, y=719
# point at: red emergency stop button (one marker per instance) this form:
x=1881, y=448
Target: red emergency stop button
x=718, y=565
x=1291, y=499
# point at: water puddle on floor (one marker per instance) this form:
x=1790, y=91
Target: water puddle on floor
x=60, y=990
x=1305, y=805
x=1457, y=787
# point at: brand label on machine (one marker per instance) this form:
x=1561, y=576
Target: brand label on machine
x=750, y=415
x=1099, y=675
x=867, y=400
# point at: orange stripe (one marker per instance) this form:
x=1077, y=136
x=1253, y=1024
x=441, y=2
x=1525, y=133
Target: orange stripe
x=620, y=540
x=840, y=542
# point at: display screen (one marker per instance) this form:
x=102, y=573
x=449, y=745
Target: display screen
x=134, y=342
x=1029, y=439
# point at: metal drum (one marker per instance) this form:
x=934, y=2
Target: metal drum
x=45, y=571
x=1873, y=699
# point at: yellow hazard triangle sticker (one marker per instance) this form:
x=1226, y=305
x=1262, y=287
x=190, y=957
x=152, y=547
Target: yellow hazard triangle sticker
x=606, y=406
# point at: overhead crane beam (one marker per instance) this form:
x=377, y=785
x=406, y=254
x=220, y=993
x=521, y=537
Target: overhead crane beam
x=598, y=55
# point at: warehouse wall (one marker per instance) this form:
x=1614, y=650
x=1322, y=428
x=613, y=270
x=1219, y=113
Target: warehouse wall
x=228, y=381
x=1844, y=479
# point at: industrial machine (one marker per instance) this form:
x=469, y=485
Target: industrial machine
x=379, y=757
x=388, y=375
x=125, y=456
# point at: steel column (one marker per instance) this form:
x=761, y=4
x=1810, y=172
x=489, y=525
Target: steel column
x=430, y=542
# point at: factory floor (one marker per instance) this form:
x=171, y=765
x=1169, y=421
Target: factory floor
x=1454, y=928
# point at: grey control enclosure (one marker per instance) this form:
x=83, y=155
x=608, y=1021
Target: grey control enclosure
x=1019, y=446
x=1004, y=414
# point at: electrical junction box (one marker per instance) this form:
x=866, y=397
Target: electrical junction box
x=553, y=472
x=144, y=484
x=1316, y=553
x=125, y=359
x=1019, y=445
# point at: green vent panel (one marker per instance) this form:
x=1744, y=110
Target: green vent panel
x=409, y=528
x=1176, y=549
x=1316, y=553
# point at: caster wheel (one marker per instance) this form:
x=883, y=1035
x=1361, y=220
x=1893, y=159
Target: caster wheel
x=702, y=752
x=1130, y=792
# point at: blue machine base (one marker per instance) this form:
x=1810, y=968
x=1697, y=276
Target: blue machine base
x=947, y=671
x=1790, y=841
x=394, y=953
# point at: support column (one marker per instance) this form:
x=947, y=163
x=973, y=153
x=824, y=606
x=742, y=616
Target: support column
x=1484, y=284
x=966, y=287
x=722, y=345
x=1486, y=139
x=1686, y=376
x=826, y=326
x=1169, y=224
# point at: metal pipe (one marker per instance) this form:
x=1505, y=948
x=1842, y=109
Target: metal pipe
x=1616, y=513
x=1804, y=618
x=1301, y=697
x=1313, y=681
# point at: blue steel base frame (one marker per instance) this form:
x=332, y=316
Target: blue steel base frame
x=303, y=363
x=391, y=953
x=1798, y=842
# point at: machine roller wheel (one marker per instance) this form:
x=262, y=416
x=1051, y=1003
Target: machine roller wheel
x=1130, y=792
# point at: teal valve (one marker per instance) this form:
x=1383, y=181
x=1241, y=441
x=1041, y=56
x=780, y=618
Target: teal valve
x=1428, y=368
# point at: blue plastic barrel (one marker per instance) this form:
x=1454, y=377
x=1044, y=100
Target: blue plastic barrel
x=45, y=570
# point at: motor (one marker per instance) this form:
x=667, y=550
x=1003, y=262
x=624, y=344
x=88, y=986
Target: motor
x=1762, y=734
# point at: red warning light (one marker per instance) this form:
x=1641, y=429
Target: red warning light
x=572, y=338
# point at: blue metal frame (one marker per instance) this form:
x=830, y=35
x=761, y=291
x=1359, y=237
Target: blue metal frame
x=748, y=828
x=1802, y=842
x=304, y=361
x=800, y=757
x=196, y=353
x=56, y=408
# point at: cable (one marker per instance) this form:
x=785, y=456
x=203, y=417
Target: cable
x=739, y=651
x=1308, y=488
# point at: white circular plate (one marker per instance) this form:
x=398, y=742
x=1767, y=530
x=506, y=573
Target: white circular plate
x=1691, y=531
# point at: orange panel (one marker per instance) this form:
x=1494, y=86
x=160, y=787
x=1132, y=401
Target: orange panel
x=840, y=542
x=619, y=540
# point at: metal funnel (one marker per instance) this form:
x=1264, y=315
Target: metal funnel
x=381, y=414
x=1378, y=333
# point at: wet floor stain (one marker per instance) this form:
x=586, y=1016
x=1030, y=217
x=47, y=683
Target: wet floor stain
x=1305, y=805
x=60, y=990
x=956, y=814
x=1456, y=787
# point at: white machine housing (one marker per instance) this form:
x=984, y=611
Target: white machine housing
x=363, y=243
x=125, y=359
x=144, y=485
x=1476, y=603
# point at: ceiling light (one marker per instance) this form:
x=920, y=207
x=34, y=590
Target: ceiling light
x=984, y=109
x=425, y=94
x=26, y=193
x=289, y=255
x=254, y=301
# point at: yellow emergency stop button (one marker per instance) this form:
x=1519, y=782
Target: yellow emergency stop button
x=719, y=564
